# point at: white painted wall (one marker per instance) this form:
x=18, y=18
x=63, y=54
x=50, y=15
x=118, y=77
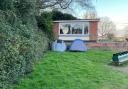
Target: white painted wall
x=69, y=38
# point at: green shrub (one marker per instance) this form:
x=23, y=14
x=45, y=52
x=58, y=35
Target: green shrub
x=21, y=43
x=6, y=4
x=45, y=23
x=45, y=20
x=57, y=15
x=9, y=68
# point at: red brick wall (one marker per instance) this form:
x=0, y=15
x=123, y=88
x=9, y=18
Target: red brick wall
x=93, y=30
x=120, y=46
x=55, y=30
x=98, y=44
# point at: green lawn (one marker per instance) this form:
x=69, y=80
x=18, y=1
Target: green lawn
x=74, y=70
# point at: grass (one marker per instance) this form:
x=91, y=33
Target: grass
x=74, y=70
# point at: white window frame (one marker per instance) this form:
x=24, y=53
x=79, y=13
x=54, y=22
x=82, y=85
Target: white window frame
x=83, y=24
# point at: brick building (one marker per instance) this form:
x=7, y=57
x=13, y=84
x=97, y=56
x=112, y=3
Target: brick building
x=69, y=30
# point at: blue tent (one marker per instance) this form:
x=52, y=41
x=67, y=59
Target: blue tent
x=59, y=46
x=78, y=45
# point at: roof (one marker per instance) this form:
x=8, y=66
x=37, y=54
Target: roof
x=78, y=20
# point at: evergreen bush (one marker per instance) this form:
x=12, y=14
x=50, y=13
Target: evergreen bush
x=45, y=23
x=21, y=43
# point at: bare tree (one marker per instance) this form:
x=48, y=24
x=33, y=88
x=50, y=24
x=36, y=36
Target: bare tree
x=68, y=6
x=106, y=27
x=90, y=13
x=126, y=32
x=51, y=3
x=43, y=4
x=85, y=3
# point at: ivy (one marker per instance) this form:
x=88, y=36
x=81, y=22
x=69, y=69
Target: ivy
x=21, y=43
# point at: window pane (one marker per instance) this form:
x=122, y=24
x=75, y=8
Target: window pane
x=86, y=28
x=65, y=29
x=76, y=28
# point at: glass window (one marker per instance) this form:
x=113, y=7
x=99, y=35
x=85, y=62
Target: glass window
x=77, y=28
x=74, y=28
x=86, y=28
x=65, y=29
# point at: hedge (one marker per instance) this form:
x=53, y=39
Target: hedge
x=21, y=42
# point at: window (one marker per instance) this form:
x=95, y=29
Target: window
x=74, y=28
x=65, y=29
x=86, y=28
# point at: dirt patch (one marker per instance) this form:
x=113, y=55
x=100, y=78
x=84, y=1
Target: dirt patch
x=120, y=69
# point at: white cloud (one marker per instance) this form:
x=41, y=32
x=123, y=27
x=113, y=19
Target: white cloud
x=120, y=22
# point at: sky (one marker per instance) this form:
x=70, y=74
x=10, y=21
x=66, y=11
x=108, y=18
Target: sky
x=116, y=10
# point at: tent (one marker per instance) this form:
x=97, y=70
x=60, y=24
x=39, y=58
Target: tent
x=78, y=45
x=59, y=46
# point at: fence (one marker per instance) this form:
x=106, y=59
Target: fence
x=115, y=46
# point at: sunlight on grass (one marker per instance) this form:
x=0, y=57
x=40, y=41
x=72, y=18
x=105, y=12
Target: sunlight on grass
x=74, y=70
